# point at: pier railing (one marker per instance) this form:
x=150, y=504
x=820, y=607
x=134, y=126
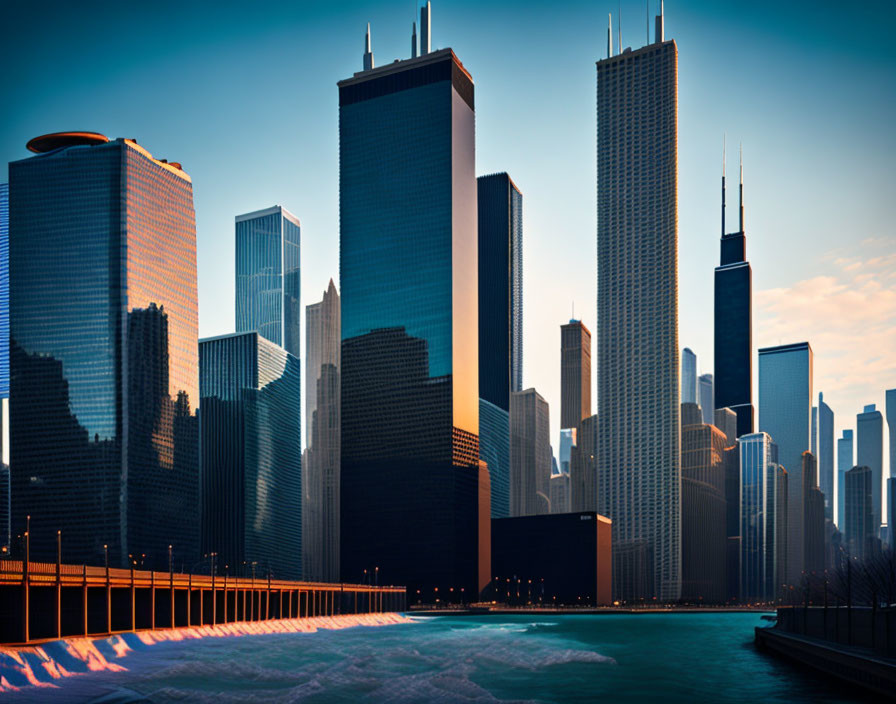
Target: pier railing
x=864, y=626
x=40, y=601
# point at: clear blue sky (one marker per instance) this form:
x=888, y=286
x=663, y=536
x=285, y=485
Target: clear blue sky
x=244, y=95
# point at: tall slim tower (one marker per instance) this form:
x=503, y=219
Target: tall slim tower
x=320, y=466
x=825, y=443
x=705, y=385
x=413, y=489
x=870, y=453
x=267, y=276
x=891, y=478
x=575, y=374
x=4, y=365
x=103, y=351
x=785, y=412
x=845, y=463
x=500, y=325
x=530, y=454
x=637, y=316
x=688, y=376
x=733, y=337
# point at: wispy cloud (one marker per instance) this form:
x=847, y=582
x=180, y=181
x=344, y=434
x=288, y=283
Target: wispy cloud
x=849, y=317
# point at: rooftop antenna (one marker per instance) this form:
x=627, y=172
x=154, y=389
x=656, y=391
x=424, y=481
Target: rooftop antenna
x=741, y=187
x=619, y=26
x=724, y=141
x=610, y=35
x=414, y=40
x=425, y=29
x=368, y=54
x=660, y=33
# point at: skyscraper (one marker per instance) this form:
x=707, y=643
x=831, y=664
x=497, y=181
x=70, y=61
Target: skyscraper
x=688, y=376
x=726, y=420
x=813, y=528
x=870, y=453
x=500, y=262
x=4, y=365
x=785, y=411
x=530, y=454
x=733, y=335
x=103, y=351
x=703, y=514
x=320, y=466
x=859, y=522
x=844, y=464
x=762, y=503
x=826, y=455
x=575, y=374
x=891, y=479
x=637, y=315
x=249, y=418
x=411, y=475
x=705, y=387
x=268, y=276
x=583, y=468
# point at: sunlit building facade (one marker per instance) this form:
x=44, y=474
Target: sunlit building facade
x=688, y=376
x=411, y=476
x=637, y=317
x=250, y=417
x=268, y=276
x=103, y=352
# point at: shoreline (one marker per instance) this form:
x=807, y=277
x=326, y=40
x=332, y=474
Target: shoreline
x=22, y=667
x=602, y=611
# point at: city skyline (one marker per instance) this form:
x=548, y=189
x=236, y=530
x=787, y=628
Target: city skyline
x=796, y=294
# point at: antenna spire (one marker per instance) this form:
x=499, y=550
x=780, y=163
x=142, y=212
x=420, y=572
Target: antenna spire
x=724, y=145
x=610, y=35
x=368, y=52
x=741, y=187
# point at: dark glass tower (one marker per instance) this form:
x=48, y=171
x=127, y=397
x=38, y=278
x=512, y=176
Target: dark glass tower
x=500, y=325
x=733, y=342
x=411, y=476
x=103, y=352
x=575, y=374
x=4, y=365
x=249, y=417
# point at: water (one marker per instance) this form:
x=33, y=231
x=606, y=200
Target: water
x=546, y=658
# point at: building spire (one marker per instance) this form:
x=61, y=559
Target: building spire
x=741, y=187
x=610, y=35
x=368, y=53
x=724, y=140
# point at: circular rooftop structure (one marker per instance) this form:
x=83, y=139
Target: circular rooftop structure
x=57, y=140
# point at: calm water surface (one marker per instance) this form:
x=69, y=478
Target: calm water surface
x=607, y=658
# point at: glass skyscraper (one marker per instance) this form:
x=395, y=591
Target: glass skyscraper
x=411, y=479
x=705, y=394
x=763, y=501
x=268, y=276
x=103, y=352
x=826, y=455
x=250, y=425
x=785, y=413
x=575, y=374
x=844, y=464
x=637, y=316
x=500, y=261
x=688, y=376
x=870, y=453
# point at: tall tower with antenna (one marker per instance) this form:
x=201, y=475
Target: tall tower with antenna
x=733, y=343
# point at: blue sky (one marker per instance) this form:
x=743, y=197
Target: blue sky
x=244, y=95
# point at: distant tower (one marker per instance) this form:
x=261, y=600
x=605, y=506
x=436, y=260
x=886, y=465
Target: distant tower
x=845, y=455
x=870, y=453
x=688, y=376
x=825, y=450
x=368, y=52
x=891, y=480
x=530, y=454
x=425, y=29
x=637, y=318
x=705, y=386
x=575, y=374
x=414, y=46
x=733, y=340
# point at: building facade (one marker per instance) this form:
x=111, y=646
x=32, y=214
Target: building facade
x=583, y=479
x=530, y=454
x=859, y=510
x=320, y=465
x=268, y=276
x=825, y=450
x=637, y=310
x=411, y=477
x=703, y=515
x=705, y=392
x=103, y=352
x=891, y=478
x=500, y=266
x=4, y=366
x=575, y=374
x=813, y=530
x=761, y=510
x=785, y=412
x=249, y=418
x=845, y=457
x=688, y=376
x=870, y=453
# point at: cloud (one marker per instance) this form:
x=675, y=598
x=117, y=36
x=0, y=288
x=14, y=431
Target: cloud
x=848, y=315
